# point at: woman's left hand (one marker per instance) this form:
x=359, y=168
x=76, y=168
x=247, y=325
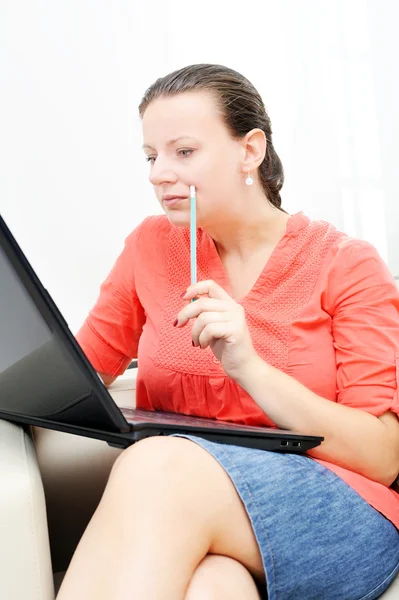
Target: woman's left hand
x=220, y=324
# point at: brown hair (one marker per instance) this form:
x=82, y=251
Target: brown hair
x=241, y=106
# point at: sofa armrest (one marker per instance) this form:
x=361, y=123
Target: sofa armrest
x=123, y=390
x=74, y=471
x=25, y=564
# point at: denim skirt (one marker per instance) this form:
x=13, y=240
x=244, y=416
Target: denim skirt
x=318, y=538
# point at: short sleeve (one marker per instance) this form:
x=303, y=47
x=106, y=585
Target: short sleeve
x=364, y=304
x=110, y=334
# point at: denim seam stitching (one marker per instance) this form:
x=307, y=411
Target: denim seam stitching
x=243, y=479
x=370, y=595
x=245, y=482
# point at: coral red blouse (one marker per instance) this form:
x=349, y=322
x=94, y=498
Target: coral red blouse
x=325, y=310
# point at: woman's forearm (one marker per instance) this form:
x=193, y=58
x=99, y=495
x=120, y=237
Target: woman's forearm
x=354, y=439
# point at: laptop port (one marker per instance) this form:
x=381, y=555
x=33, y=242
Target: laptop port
x=284, y=443
x=296, y=444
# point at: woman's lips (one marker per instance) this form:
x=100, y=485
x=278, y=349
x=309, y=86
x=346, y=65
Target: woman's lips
x=171, y=201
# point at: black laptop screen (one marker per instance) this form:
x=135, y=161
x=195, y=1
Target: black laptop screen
x=37, y=376
x=22, y=328
x=43, y=372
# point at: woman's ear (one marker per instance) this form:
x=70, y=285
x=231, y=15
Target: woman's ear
x=254, y=149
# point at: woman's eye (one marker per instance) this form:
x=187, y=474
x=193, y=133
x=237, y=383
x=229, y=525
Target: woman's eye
x=185, y=153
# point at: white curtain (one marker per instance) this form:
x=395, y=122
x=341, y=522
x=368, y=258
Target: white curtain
x=73, y=181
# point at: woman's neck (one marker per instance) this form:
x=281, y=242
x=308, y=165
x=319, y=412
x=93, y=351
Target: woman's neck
x=249, y=233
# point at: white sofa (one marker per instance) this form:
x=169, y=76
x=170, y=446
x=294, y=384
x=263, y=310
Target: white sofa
x=64, y=474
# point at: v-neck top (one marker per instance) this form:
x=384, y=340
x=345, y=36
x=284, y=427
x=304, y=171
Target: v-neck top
x=325, y=310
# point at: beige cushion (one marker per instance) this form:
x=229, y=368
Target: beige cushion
x=74, y=472
x=392, y=592
x=25, y=566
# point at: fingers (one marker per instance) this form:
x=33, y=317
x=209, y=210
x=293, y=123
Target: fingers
x=206, y=287
x=216, y=315
x=203, y=321
x=201, y=306
x=213, y=331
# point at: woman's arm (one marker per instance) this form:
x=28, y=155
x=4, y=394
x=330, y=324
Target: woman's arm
x=107, y=379
x=361, y=429
x=110, y=334
x=354, y=439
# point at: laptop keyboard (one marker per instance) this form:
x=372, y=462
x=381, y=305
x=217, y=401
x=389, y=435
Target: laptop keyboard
x=135, y=416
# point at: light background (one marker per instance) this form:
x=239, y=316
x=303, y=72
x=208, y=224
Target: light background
x=73, y=179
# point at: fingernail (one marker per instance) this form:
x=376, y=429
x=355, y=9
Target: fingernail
x=175, y=323
x=182, y=295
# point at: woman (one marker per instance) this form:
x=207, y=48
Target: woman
x=295, y=325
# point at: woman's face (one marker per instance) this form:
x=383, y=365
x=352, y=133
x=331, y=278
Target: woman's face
x=187, y=143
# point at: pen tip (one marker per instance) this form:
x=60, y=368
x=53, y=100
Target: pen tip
x=192, y=191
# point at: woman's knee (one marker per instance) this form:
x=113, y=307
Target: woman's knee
x=155, y=453
x=219, y=578
x=165, y=471
x=161, y=461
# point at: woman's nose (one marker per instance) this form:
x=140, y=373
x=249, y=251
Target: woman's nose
x=161, y=174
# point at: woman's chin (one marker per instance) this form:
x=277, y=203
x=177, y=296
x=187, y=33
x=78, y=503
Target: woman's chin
x=179, y=218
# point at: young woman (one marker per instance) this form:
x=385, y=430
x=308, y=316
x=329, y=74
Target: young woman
x=295, y=325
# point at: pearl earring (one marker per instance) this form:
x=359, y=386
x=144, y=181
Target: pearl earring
x=249, y=180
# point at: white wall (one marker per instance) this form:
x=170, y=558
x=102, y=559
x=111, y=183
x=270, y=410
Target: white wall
x=73, y=180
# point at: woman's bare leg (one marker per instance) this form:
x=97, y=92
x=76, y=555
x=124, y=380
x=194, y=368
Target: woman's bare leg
x=168, y=504
x=221, y=578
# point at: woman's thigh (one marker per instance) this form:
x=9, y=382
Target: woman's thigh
x=221, y=578
x=177, y=479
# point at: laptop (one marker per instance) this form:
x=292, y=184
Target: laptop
x=47, y=381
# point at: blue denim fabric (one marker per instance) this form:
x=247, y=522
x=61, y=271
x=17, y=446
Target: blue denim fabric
x=318, y=538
